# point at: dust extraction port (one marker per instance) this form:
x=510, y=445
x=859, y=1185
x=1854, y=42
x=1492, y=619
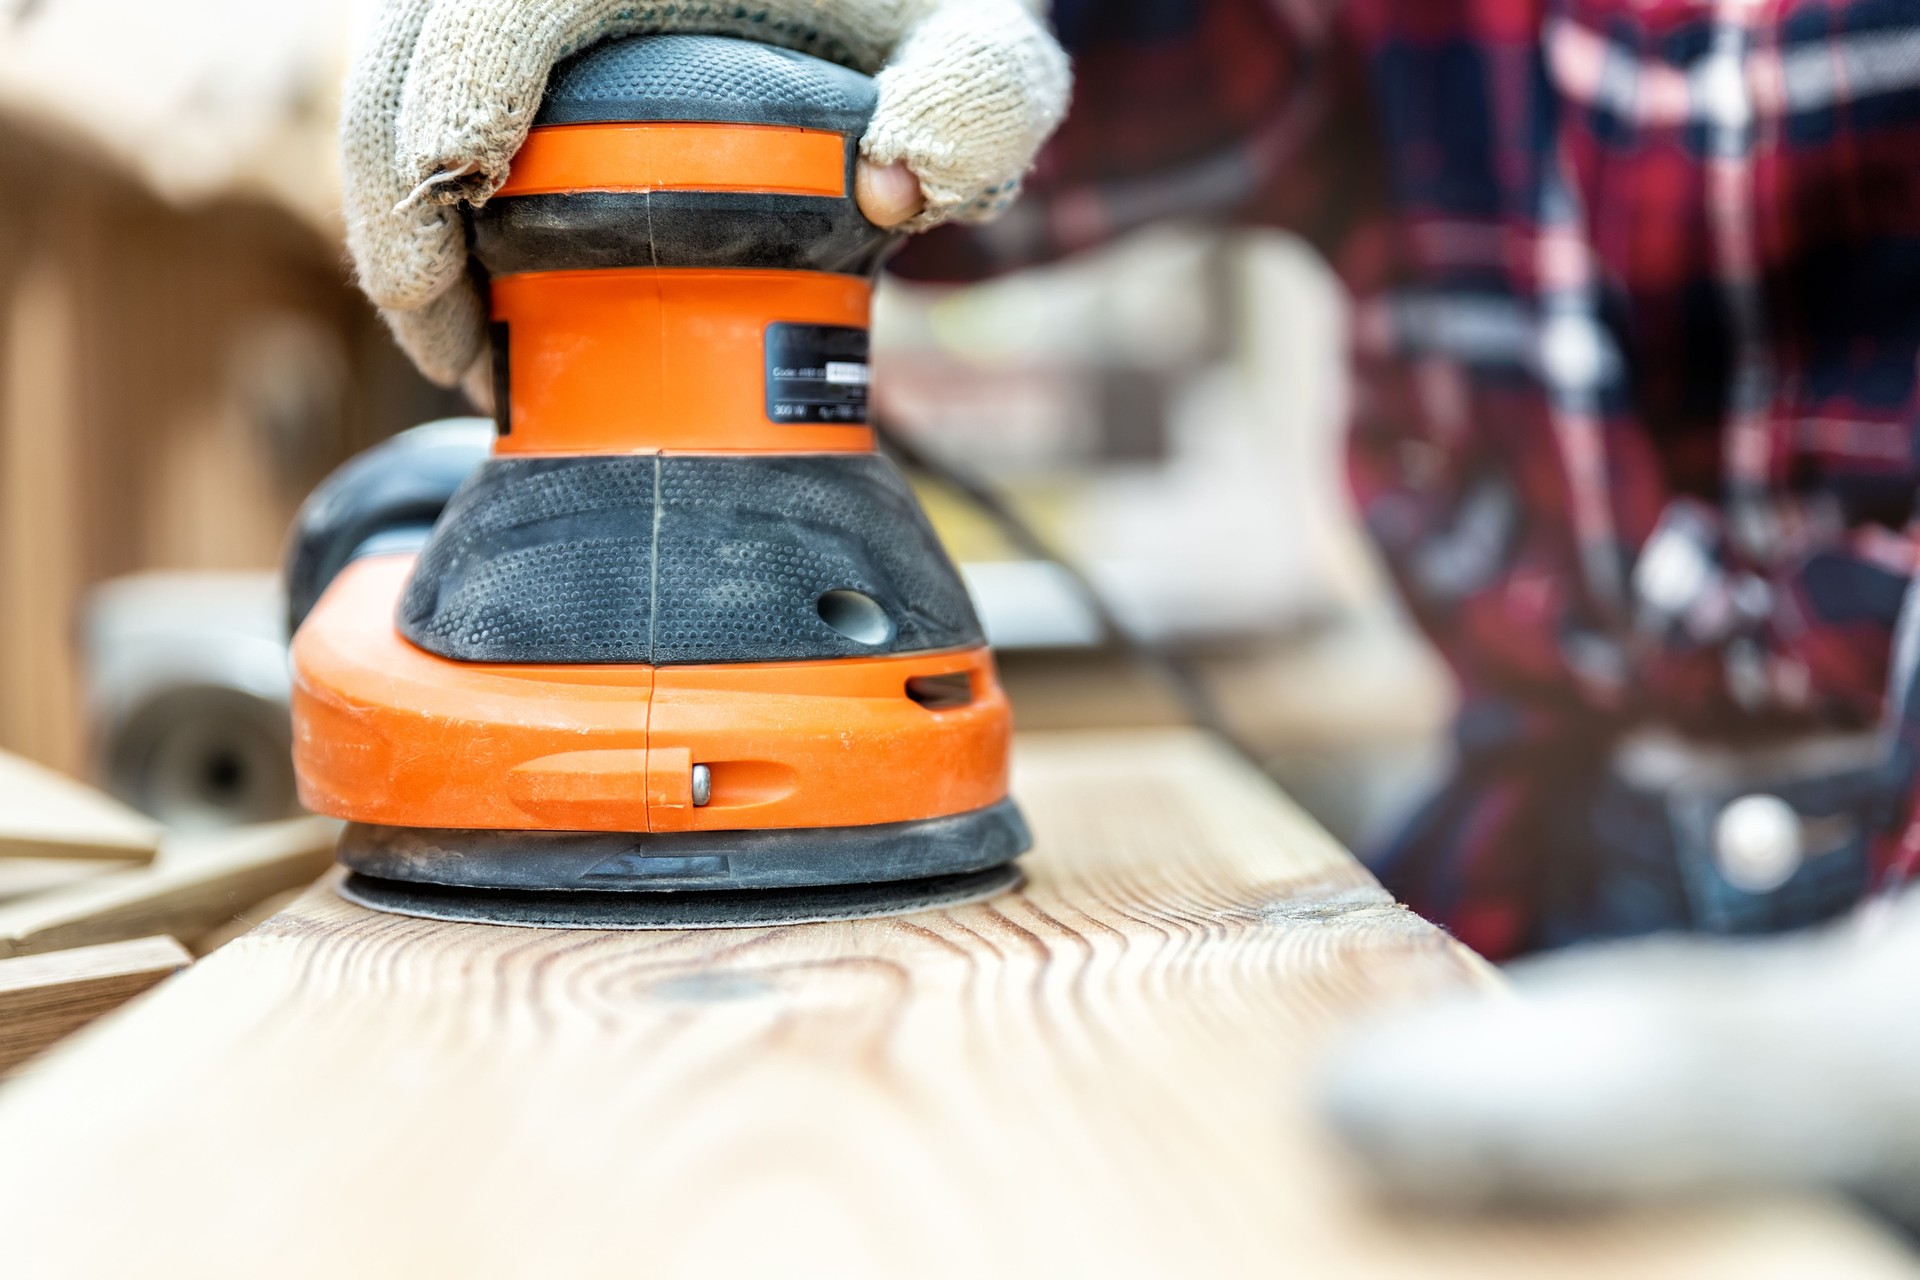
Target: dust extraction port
x=857, y=616
x=941, y=693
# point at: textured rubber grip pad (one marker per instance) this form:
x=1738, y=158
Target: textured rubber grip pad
x=598, y=230
x=385, y=499
x=675, y=560
x=706, y=78
x=699, y=79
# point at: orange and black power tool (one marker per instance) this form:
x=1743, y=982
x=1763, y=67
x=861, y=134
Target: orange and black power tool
x=681, y=649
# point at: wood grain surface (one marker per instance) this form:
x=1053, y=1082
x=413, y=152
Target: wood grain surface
x=44, y=814
x=199, y=883
x=45, y=998
x=1104, y=1074
x=25, y=877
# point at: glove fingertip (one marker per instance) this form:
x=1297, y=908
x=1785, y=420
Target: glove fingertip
x=445, y=338
x=967, y=103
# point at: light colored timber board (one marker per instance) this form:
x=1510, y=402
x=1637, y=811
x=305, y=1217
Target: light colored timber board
x=44, y=814
x=1104, y=1074
x=192, y=889
x=25, y=877
x=243, y=922
x=46, y=998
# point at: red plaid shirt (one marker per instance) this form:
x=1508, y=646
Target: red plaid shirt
x=1638, y=319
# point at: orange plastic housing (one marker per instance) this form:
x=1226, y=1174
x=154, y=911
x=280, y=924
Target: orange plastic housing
x=679, y=157
x=648, y=359
x=387, y=733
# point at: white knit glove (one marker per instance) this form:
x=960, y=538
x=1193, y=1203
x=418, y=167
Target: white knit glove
x=1645, y=1071
x=443, y=92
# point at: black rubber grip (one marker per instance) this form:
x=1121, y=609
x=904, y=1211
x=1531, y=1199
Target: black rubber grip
x=699, y=79
x=668, y=560
x=597, y=230
x=386, y=499
x=716, y=79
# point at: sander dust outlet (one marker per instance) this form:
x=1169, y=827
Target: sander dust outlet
x=682, y=649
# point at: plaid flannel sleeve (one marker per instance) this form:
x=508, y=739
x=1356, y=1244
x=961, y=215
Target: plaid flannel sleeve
x=1244, y=111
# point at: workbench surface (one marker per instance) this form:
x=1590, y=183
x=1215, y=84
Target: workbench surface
x=1104, y=1074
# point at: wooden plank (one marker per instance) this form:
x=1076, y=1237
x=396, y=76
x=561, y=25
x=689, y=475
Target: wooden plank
x=44, y=999
x=44, y=814
x=173, y=382
x=24, y=877
x=41, y=504
x=243, y=922
x=1103, y=1074
x=190, y=890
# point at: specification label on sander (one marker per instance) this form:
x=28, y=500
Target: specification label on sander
x=816, y=373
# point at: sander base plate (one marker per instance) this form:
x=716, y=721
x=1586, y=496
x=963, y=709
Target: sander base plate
x=693, y=909
x=683, y=862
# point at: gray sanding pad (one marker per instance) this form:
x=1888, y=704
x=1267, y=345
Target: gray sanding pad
x=714, y=909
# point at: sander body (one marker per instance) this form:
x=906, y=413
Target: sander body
x=681, y=648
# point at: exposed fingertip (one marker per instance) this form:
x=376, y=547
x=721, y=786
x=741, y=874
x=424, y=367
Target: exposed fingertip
x=888, y=195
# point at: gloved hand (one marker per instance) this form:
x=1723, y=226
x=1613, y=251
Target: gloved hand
x=443, y=92
x=1645, y=1070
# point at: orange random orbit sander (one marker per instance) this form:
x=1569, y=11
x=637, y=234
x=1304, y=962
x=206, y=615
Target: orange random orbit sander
x=681, y=649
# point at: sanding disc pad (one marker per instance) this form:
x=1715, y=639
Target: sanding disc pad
x=714, y=909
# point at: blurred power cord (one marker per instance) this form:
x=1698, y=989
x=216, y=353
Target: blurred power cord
x=1178, y=674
